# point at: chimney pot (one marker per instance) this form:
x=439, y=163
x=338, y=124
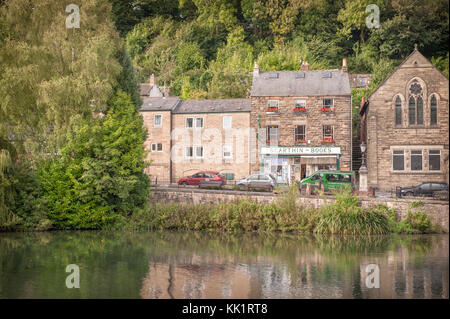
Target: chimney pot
x=152, y=79
x=344, y=65
x=256, y=69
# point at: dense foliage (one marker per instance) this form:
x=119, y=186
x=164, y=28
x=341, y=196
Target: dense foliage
x=342, y=216
x=206, y=49
x=62, y=164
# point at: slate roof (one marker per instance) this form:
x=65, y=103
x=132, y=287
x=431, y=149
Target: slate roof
x=213, y=106
x=288, y=84
x=145, y=89
x=159, y=103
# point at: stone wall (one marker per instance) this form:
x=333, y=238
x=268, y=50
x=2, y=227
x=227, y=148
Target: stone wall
x=437, y=210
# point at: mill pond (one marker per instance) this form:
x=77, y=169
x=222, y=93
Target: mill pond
x=212, y=265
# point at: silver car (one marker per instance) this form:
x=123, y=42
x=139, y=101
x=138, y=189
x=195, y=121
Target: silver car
x=262, y=180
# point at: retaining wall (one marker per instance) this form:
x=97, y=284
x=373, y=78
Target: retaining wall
x=438, y=210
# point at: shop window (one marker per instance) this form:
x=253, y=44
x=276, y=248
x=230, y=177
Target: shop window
x=416, y=160
x=398, y=160
x=434, y=160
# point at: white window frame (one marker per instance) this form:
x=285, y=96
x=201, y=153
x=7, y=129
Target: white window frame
x=304, y=130
x=230, y=150
x=404, y=161
x=323, y=131
x=186, y=121
x=224, y=121
x=195, y=122
x=156, y=147
x=440, y=161
x=332, y=102
x=186, y=152
x=154, y=120
x=277, y=102
x=300, y=103
x=195, y=151
x=410, y=160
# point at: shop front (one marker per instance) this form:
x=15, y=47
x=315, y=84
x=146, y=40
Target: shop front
x=289, y=164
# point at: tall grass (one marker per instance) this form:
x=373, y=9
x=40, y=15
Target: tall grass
x=343, y=216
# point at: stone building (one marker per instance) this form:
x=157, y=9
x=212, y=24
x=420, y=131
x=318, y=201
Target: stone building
x=157, y=114
x=211, y=135
x=187, y=136
x=303, y=119
x=406, y=129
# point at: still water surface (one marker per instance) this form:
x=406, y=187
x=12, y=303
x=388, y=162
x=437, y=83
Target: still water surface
x=201, y=265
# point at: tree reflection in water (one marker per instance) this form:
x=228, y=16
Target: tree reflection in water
x=211, y=265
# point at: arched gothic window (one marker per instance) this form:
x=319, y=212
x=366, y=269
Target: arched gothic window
x=433, y=110
x=398, y=111
x=415, y=105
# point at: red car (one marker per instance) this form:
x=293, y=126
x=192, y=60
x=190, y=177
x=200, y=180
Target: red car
x=202, y=176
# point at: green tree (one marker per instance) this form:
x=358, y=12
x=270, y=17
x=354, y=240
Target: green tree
x=99, y=176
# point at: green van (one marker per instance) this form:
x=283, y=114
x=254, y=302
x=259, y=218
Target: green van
x=331, y=179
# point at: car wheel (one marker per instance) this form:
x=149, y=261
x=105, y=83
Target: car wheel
x=410, y=194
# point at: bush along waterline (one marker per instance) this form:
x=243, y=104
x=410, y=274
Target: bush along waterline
x=344, y=216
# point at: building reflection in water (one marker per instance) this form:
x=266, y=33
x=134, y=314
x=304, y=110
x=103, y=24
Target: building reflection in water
x=409, y=268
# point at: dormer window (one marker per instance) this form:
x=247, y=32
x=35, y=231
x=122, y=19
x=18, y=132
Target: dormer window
x=326, y=75
x=300, y=75
x=273, y=75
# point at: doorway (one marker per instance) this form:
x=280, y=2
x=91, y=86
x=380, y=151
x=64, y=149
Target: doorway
x=302, y=171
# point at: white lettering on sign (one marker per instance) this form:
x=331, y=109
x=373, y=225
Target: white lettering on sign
x=301, y=150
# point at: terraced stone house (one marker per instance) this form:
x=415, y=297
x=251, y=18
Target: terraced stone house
x=303, y=119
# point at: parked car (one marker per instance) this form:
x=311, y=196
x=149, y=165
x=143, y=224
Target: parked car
x=331, y=179
x=199, y=177
x=423, y=189
x=260, y=181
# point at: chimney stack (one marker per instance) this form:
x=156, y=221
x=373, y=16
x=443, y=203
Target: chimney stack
x=304, y=66
x=256, y=69
x=344, y=65
x=152, y=79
